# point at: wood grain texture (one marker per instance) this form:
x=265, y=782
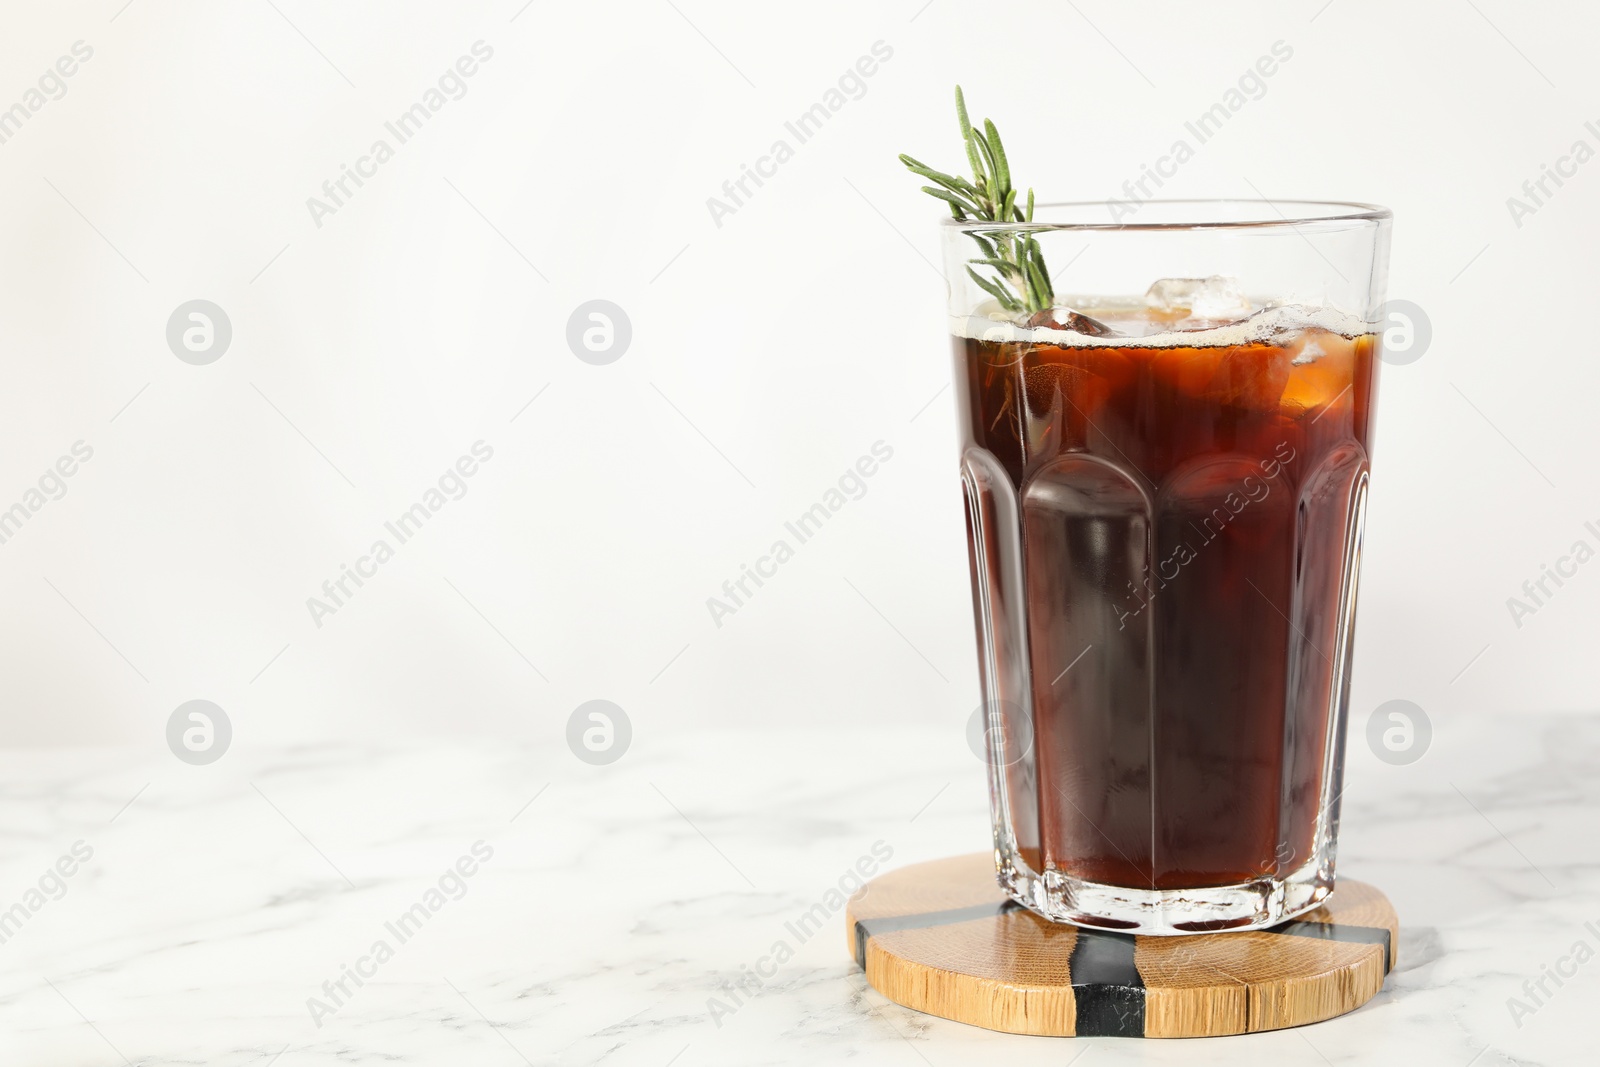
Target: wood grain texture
x=943, y=938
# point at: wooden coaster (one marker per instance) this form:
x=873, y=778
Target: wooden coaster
x=943, y=938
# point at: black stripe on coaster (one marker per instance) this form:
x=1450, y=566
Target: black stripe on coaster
x=1354, y=935
x=888, y=924
x=1106, y=985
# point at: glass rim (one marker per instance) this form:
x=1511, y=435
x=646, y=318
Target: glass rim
x=1305, y=213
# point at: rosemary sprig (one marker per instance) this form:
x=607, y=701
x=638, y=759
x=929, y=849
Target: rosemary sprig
x=1020, y=280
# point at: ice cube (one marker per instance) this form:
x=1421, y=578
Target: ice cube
x=1307, y=352
x=1323, y=380
x=1060, y=318
x=1214, y=299
x=1220, y=300
x=1251, y=377
x=1171, y=294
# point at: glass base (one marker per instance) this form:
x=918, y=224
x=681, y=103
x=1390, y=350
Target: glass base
x=1252, y=905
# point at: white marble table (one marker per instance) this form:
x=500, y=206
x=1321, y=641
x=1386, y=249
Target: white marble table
x=622, y=899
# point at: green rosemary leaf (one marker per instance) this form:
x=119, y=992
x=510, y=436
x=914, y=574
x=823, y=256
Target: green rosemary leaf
x=1004, y=266
x=1044, y=271
x=988, y=169
x=950, y=181
x=916, y=166
x=1029, y=289
x=1010, y=204
x=989, y=181
x=1007, y=301
x=1037, y=281
x=967, y=135
x=1029, y=215
x=961, y=113
x=1002, y=168
x=950, y=198
x=954, y=184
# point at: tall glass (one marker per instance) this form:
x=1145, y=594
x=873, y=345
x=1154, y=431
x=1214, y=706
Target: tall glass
x=1165, y=477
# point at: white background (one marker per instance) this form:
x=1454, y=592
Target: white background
x=369, y=353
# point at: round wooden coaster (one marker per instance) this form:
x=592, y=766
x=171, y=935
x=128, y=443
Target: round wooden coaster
x=943, y=938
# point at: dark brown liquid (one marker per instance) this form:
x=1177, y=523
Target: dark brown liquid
x=1163, y=548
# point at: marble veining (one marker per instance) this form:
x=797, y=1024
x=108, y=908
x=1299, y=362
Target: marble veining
x=619, y=915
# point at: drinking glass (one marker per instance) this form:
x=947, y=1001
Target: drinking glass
x=1165, y=477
